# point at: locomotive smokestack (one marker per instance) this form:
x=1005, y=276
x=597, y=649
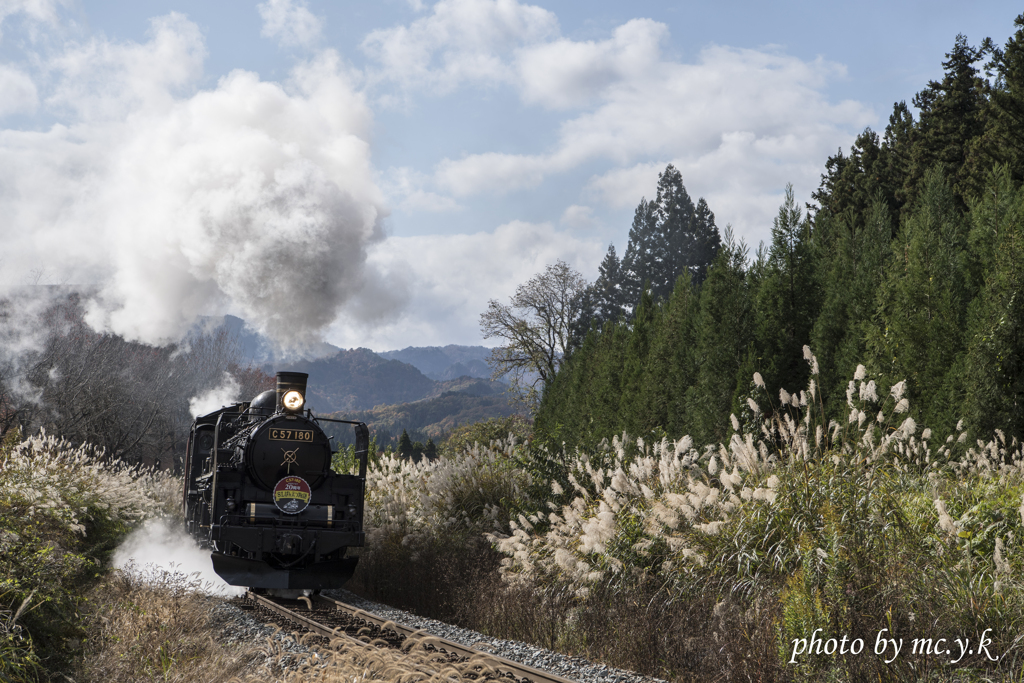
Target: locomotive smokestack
x=291, y=381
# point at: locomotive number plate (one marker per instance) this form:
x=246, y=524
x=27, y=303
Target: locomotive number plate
x=291, y=434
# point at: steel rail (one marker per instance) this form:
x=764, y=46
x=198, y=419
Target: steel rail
x=312, y=625
x=504, y=666
x=324, y=630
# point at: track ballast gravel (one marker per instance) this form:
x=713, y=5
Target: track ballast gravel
x=238, y=625
x=575, y=668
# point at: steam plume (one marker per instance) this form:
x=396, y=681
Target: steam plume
x=174, y=202
x=162, y=545
x=218, y=397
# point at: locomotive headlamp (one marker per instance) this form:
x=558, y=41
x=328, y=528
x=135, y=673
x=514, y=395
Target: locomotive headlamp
x=292, y=400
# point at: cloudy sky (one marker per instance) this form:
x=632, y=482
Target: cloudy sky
x=374, y=172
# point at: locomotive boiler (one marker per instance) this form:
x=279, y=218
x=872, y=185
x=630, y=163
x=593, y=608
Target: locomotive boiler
x=261, y=495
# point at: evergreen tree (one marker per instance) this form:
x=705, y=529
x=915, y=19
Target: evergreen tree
x=405, y=445
x=849, y=279
x=581, y=405
x=609, y=297
x=785, y=300
x=851, y=184
x=899, y=143
x=632, y=406
x=430, y=450
x=669, y=237
x=995, y=362
x=951, y=123
x=1004, y=142
x=922, y=306
x=721, y=333
x=669, y=370
x=636, y=262
x=603, y=388
x=675, y=219
x=706, y=242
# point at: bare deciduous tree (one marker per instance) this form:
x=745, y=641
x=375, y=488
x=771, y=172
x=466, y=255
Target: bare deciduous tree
x=536, y=326
x=128, y=398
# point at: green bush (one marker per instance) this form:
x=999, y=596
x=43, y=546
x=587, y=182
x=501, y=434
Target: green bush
x=63, y=511
x=796, y=524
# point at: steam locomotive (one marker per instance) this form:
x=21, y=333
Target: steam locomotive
x=260, y=493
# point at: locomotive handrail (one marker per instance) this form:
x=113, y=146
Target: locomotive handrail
x=362, y=440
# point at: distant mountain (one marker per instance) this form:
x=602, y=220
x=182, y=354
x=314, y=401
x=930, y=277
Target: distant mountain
x=471, y=386
x=256, y=348
x=445, y=362
x=428, y=418
x=358, y=379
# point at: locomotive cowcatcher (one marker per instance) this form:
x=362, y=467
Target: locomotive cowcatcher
x=260, y=493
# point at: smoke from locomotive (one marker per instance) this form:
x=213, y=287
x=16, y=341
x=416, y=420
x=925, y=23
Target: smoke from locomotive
x=260, y=493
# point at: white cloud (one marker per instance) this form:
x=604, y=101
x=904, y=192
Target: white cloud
x=743, y=181
x=38, y=11
x=460, y=41
x=428, y=202
x=566, y=73
x=102, y=80
x=682, y=109
x=251, y=197
x=17, y=91
x=493, y=172
x=403, y=187
x=739, y=123
x=451, y=277
x=290, y=23
x=578, y=217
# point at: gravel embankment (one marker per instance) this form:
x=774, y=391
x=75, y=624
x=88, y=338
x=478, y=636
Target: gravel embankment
x=239, y=626
x=575, y=668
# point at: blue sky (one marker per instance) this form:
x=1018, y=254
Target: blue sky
x=374, y=172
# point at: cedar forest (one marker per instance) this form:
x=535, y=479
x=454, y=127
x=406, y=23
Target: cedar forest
x=910, y=260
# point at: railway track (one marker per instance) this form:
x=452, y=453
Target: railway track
x=332, y=619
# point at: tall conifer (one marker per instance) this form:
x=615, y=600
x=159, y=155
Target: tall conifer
x=995, y=362
x=722, y=330
x=786, y=300
x=609, y=295
x=922, y=305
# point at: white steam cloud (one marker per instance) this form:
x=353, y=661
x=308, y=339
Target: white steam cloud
x=218, y=397
x=173, y=202
x=162, y=546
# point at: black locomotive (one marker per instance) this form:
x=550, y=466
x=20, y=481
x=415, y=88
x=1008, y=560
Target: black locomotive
x=260, y=493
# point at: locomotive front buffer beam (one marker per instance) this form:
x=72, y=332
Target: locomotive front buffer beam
x=283, y=557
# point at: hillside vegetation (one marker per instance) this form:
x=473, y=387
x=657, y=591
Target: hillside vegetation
x=910, y=261
x=63, y=510
x=707, y=499
x=725, y=562
x=432, y=418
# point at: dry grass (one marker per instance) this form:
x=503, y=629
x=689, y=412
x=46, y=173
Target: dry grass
x=155, y=626
x=343, y=661
x=707, y=563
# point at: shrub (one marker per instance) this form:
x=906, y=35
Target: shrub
x=63, y=510
x=797, y=524
x=487, y=433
